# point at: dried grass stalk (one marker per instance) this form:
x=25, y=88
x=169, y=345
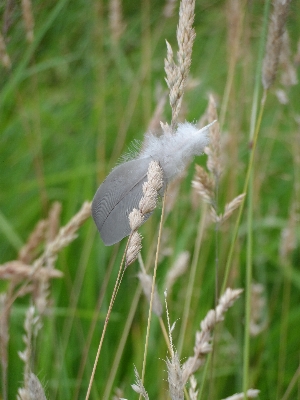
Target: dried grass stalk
x=169, y=8
x=203, y=344
x=274, y=41
x=146, y=282
x=28, y=19
x=154, y=124
x=4, y=338
x=176, y=74
x=116, y=24
x=4, y=57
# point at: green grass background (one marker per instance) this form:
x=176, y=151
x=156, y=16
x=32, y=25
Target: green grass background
x=70, y=106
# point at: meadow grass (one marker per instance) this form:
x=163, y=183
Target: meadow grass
x=79, y=82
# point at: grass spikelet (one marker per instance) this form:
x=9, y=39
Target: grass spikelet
x=203, y=344
x=54, y=220
x=26, y=254
x=134, y=248
x=147, y=205
x=175, y=379
x=193, y=392
x=67, y=233
x=138, y=387
x=169, y=8
x=229, y=209
x=32, y=325
x=204, y=185
x=250, y=394
x=258, y=321
x=213, y=150
x=34, y=391
x=177, y=269
x=274, y=41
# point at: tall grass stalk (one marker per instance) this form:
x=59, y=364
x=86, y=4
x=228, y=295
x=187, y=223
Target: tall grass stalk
x=112, y=300
x=152, y=291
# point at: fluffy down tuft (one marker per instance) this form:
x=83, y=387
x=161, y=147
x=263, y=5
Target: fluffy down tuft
x=174, y=151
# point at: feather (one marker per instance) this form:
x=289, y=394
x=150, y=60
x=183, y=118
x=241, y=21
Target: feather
x=122, y=190
x=116, y=197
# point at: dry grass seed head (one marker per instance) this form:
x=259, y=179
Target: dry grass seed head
x=274, y=41
x=34, y=391
x=229, y=209
x=136, y=219
x=134, y=248
x=27, y=252
x=54, y=220
x=193, y=392
x=258, y=321
x=175, y=379
x=213, y=151
x=204, y=185
x=288, y=71
x=203, y=344
x=178, y=268
x=176, y=75
x=138, y=387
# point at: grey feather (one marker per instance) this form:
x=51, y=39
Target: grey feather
x=116, y=197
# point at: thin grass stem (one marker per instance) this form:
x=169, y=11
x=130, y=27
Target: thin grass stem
x=152, y=291
x=112, y=300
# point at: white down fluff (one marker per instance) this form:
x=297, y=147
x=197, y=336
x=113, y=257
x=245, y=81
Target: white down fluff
x=175, y=150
